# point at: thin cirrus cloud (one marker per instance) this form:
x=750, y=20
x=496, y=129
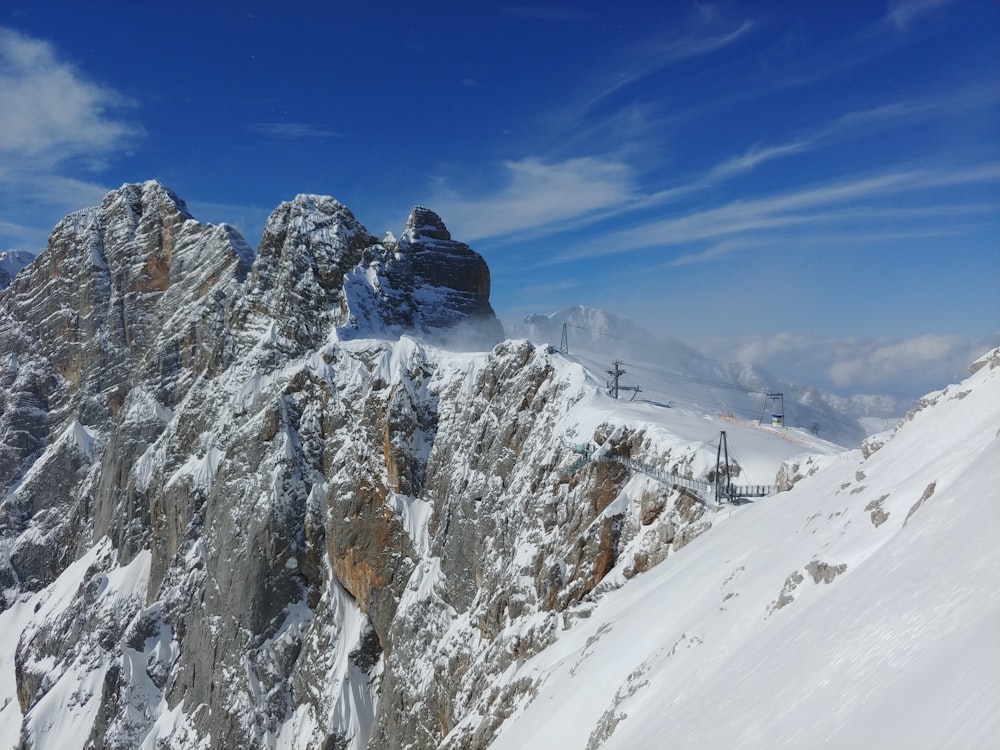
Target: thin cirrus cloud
x=536, y=194
x=291, y=131
x=840, y=238
x=782, y=210
x=902, y=13
x=660, y=54
x=845, y=127
x=608, y=187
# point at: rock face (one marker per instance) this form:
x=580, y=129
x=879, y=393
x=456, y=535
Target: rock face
x=242, y=505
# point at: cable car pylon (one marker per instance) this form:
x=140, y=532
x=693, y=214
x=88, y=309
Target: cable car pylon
x=614, y=387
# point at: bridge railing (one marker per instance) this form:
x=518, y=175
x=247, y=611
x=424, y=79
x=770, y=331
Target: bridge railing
x=706, y=491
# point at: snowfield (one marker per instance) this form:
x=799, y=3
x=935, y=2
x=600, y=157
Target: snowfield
x=859, y=609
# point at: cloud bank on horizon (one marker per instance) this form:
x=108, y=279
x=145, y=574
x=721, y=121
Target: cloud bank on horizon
x=807, y=186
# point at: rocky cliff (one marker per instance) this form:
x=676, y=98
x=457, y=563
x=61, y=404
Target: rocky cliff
x=249, y=501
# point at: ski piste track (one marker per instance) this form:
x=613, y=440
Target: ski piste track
x=709, y=493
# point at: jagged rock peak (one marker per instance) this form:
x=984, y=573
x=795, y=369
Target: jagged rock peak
x=458, y=273
x=144, y=234
x=310, y=231
x=144, y=197
x=308, y=245
x=424, y=223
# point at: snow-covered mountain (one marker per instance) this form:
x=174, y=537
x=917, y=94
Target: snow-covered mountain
x=11, y=263
x=668, y=370
x=278, y=500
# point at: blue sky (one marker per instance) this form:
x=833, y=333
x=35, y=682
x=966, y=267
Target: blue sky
x=814, y=186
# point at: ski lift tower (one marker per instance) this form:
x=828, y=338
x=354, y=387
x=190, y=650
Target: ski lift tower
x=614, y=387
x=777, y=412
x=723, y=489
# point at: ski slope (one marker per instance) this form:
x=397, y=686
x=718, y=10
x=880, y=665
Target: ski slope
x=859, y=609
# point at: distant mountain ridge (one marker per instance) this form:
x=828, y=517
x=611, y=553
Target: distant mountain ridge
x=11, y=263
x=668, y=368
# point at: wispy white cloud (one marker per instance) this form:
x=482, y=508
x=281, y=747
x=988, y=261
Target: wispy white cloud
x=289, y=131
x=59, y=191
x=783, y=210
x=844, y=127
x=52, y=113
x=55, y=125
x=654, y=56
x=676, y=50
x=751, y=158
x=716, y=252
x=834, y=236
x=882, y=365
x=537, y=194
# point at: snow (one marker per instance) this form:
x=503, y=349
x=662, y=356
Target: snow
x=671, y=372
x=13, y=620
x=199, y=470
x=62, y=718
x=167, y=724
x=345, y=692
x=897, y=650
x=414, y=514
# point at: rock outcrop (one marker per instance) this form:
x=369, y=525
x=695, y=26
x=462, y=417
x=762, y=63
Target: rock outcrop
x=251, y=506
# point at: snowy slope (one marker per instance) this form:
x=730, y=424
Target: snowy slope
x=859, y=609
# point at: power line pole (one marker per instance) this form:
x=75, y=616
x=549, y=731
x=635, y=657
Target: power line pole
x=564, y=344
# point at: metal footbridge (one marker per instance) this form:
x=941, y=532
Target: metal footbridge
x=709, y=493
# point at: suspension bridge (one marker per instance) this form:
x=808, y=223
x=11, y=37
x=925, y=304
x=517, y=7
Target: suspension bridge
x=722, y=490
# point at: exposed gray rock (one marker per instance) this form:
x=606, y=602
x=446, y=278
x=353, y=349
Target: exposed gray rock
x=273, y=509
x=878, y=513
x=786, y=596
x=928, y=492
x=822, y=572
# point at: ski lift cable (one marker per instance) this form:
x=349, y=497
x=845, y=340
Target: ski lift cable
x=700, y=381
x=703, y=381
x=650, y=345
